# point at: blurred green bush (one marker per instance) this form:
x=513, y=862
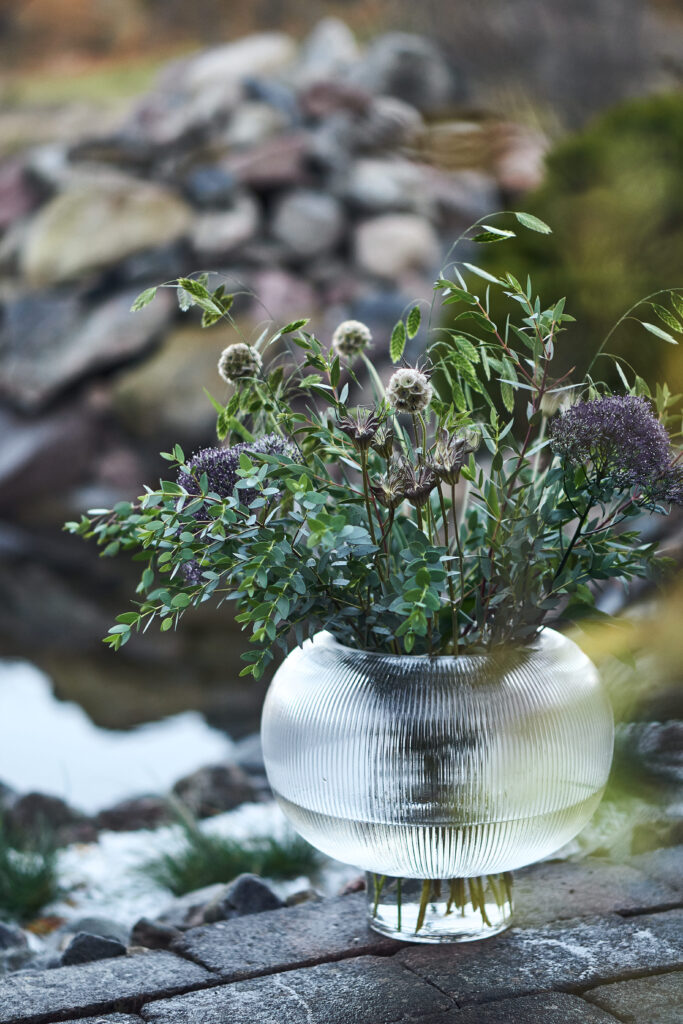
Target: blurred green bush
x=613, y=198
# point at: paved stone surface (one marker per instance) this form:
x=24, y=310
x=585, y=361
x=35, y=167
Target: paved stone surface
x=555, y=891
x=655, y=1000
x=551, y=1008
x=114, y=1018
x=563, y=957
x=292, y=937
x=665, y=865
x=119, y=984
x=369, y=990
x=313, y=964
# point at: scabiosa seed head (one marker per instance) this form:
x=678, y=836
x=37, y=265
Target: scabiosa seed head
x=360, y=425
x=221, y=465
x=409, y=390
x=350, y=339
x=619, y=436
x=450, y=454
x=239, y=361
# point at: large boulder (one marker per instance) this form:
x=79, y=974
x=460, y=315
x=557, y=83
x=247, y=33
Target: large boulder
x=16, y=195
x=411, y=67
x=262, y=53
x=396, y=243
x=183, y=365
x=38, y=814
x=33, y=463
x=328, y=52
x=308, y=223
x=216, y=788
x=50, y=342
x=93, y=226
x=219, y=232
x=376, y=185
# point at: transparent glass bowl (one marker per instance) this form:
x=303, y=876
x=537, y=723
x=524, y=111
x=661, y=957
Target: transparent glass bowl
x=438, y=768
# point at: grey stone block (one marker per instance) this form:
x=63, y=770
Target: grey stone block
x=114, y=1018
x=369, y=990
x=550, y=1008
x=657, y=1000
x=121, y=983
x=277, y=940
x=568, y=956
x=665, y=865
x=554, y=891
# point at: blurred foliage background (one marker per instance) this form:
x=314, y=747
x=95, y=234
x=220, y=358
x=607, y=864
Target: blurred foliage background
x=572, y=111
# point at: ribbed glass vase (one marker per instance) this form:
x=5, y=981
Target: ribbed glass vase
x=451, y=771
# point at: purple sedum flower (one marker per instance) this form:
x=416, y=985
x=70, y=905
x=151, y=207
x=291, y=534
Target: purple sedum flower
x=622, y=439
x=221, y=465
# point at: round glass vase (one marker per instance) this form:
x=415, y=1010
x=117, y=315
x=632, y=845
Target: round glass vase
x=438, y=776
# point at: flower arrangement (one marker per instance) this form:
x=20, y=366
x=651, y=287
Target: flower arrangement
x=468, y=502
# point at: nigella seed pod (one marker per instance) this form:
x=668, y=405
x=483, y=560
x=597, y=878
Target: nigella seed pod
x=350, y=339
x=239, y=361
x=383, y=442
x=361, y=425
x=418, y=483
x=389, y=489
x=450, y=454
x=409, y=390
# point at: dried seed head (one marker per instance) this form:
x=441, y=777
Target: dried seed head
x=409, y=390
x=451, y=453
x=361, y=425
x=383, y=441
x=239, y=361
x=389, y=489
x=418, y=483
x=350, y=339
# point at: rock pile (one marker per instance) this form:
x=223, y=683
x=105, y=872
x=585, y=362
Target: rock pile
x=323, y=177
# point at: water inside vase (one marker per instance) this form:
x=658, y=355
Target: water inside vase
x=441, y=851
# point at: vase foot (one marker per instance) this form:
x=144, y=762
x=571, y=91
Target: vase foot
x=440, y=911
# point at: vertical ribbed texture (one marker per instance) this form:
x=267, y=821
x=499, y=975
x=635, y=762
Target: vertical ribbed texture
x=438, y=768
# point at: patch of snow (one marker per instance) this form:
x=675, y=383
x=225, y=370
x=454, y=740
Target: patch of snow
x=51, y=746
x=104, y=879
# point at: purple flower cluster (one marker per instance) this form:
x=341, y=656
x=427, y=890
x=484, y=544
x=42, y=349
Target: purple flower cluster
x=221, y=465
x=623, y=441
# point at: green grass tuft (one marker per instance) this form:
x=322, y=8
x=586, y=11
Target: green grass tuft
x=207, y=859
x=28, y=874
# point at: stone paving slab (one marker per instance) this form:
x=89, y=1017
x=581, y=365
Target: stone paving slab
x=655, y=1000
x=550, y=1008
x=114, y=1018
x=369, y=990
x=665, y=865
x=554, y=891
x=118, y=984
x=279, y=939
x=569, y=956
